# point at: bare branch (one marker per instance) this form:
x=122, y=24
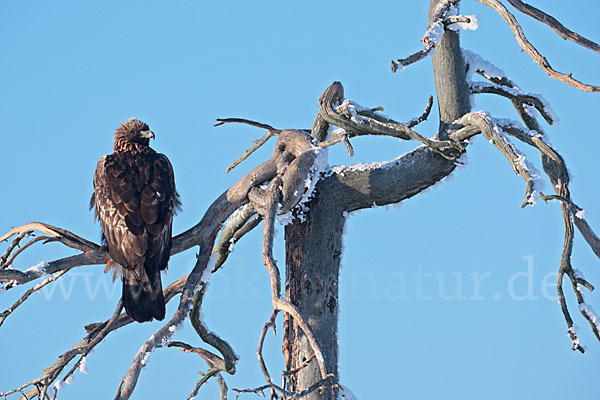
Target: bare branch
x=223, y=121
x=556, y=170
x=323, y=383
x=553, y=163
x=92, y=253
x=96, y=333
x=588, y=234
x=28, y=293
x=423, y=117
x=15, y=243
x=240, y=223
x=83, y=347
x=279, y=303
x=302, y=366
x=440, y=22
x=553, y=23
x=513, y=94
x=532, y=51
x=209, y=337
x=261, y=341
x=62, y=235
x=44, y=239
x=208, y=356
x=402, y=63
x=493, y=134
x=431, y=38
x=257, y=143
x=359, y=121
x=215, y=365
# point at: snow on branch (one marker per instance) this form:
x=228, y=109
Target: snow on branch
x=499, y=84
x=358, y=121
x=516, y=94
x=556, y=171
x=493, y=133
x=446, y=17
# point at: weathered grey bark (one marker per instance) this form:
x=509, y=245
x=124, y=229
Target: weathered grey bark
x=313, y=252
x=314, y=247
x=449, y=74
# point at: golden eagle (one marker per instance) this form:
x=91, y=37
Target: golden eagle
x=135, y=199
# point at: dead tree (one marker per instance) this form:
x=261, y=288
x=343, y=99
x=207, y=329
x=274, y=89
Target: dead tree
x=297, y=185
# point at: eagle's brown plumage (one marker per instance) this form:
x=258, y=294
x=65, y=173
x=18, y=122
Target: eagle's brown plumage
x=135, y=199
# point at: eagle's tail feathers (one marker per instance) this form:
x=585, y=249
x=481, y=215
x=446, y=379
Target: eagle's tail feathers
x=142, y=294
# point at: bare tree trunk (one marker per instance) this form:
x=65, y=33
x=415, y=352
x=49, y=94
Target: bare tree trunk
x=449, y=74
x=313, y=252
x=314, y=247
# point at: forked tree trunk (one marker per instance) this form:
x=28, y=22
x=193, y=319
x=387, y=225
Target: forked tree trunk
x=314, y=247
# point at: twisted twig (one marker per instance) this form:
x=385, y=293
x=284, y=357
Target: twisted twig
x=553, y=23
x=209, y=337
x=532, y=51
x=261, y=341
x=523, y=98
x=556, y=170
x=360, y=121
x=215, y=364
x=279, y=303
x=493, y=134
x=28, y=293
x=257, y=143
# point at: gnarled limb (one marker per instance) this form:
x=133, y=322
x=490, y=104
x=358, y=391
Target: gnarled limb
x=532, y=51
x=359, y=121
x=556, y=170
x=514, y=95
x=494, y=135
x=91, y=253
x=215, y=364
x=229, y=357
x=257, y=143
x=241, y=222
x=553, y=23
x=279, y=303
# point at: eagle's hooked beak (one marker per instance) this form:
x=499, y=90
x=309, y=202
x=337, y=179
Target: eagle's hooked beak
x=147, y=134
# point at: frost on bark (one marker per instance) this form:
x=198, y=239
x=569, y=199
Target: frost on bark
x=296, y=184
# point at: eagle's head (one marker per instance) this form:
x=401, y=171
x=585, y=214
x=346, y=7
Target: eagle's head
x=132, y=134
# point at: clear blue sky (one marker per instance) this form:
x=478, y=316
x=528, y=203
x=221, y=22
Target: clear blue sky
x=72, y=71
